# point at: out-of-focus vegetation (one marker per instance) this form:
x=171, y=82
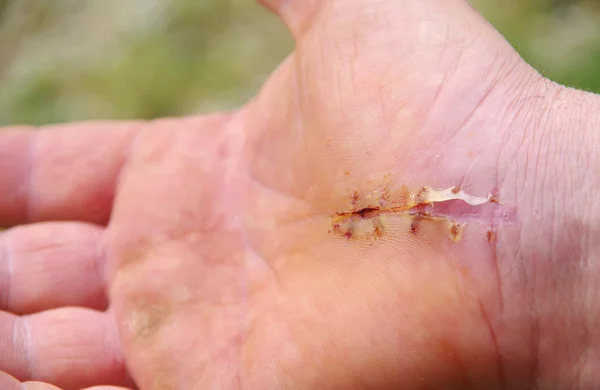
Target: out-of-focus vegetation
x=66, y=60
x=561, y=38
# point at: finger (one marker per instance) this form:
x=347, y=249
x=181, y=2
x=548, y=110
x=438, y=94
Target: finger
x=38, y=386
x=64, y=172
x=71, y=348
x=49, y=265
x=45, y=386
x=300, y=15
x=8, y=382
x=106, y=388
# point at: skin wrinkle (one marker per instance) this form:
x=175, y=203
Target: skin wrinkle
x=24, y=321
x=124, y=162
x=445, y=75
x=252, y=251
x=445, y=48
x=486, y=318
x=17, y=328
x=523, y=147
x=352, y=71
x=101, y=261
x=506, y=136
x=538, y=168
x=519, y=109
x=587, y=154
x=498, y=79
x=535, y=347
x=583, y=337
x=387, y=118
x=539, y=236
x=10, y=269
x=517, y=105
x=534, y=328
x=535, y=311
x=247, y=323
x=473, y=163
x=477, y=106
x=526, y=112
x=244, y=304
x=296, y=102
x=436, y=97
x=270, y=188
x=494, y=257
x=32, y=157
x=531, y=123
x=115, y=340
x=300, y=82
x=578, y=352
x=338, y=94
x=587, y=338
x=355, y=37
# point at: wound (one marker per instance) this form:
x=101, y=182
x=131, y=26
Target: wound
x=453, y=205
x=456, y=231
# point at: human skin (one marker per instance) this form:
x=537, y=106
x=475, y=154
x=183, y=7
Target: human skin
x=203, y=252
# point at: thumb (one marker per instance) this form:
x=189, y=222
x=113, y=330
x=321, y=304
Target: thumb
x=300, y=15
x=296, y=14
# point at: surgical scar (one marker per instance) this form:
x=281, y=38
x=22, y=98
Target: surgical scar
x=366, y=220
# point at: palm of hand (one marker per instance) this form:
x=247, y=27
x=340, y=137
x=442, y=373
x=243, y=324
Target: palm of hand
x=222, y=240
x=228, y=264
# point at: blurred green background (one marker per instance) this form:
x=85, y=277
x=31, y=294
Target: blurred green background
x=65, y=60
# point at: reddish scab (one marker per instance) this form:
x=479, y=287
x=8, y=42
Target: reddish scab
x=355, y=198
x=456, y=189
x=456, y=232
x=494, y=197
x=415, y=225
x=377, y=232
x=336, y=228
x=491, y=235
x=368, y=212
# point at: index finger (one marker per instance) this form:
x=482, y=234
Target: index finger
x=65, y=172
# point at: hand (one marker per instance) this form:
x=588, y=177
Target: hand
x=299, y=242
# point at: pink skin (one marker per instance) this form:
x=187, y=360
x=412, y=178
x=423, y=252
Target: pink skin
x=210, y=264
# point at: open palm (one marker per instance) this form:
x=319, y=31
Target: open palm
x=346, y=229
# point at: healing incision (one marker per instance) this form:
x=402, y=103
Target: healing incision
x=418, y=206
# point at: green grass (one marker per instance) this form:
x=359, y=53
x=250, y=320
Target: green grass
x=204, y=55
